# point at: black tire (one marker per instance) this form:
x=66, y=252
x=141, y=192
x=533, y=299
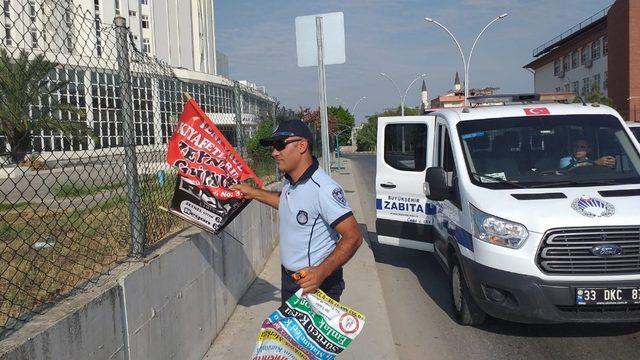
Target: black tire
x=465, y=309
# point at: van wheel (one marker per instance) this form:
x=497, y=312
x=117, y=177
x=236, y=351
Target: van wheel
x=465, y=309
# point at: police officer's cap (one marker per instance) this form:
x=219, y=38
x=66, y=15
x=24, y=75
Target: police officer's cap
x=287, y=129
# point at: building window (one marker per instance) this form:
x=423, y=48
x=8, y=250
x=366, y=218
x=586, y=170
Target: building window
x=605, y=45
x=605, y=83
x=69, y=42
x=567, y=87
x=575, y=59
x=32, y=11
x=68, y=18
x=585, y=86
x=556, y=67
x=145, y=21
x=558, y=89
x=566, y=65
x=596, y=82
x=146, y=46
x=576, y=87
x=7, y=35
x=34, y=38
x=584, y=55
x=117, y=3
x=98, y=36
x=595, y=49
x=96, y=5
x=144, y=2
x=132, y=13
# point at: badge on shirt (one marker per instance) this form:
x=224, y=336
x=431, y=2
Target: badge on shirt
x=338, y=194
x=302, y=217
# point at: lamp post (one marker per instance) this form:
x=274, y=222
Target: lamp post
x=402, y=97
x=337, y=134
x=466, y=61
x=352, y=110
x=397, y=88
x=421, y=76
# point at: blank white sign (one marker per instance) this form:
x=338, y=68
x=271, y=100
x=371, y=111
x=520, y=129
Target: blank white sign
x=333, y=39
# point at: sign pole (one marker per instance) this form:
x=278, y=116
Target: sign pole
x=324, y=118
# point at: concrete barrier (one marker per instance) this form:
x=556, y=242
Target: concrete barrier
x=169, y=305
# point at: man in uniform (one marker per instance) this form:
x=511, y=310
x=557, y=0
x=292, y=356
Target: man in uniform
x=318, y=232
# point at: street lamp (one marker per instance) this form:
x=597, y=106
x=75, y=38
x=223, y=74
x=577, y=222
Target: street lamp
x=397, y=88
x=353, y=108
x=421, y=76
x=402, y=97
x=466, y=62
x=336, y=135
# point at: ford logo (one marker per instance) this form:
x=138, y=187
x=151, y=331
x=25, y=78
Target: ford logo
x=606, y=250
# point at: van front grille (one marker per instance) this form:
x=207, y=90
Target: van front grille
x=569, y=251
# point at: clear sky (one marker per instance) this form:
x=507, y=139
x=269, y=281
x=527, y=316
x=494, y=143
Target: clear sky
x=391, y=36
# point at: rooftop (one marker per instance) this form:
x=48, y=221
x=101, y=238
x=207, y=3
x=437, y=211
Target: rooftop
x=572, y=32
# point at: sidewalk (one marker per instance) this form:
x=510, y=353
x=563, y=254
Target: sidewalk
x=363, y=292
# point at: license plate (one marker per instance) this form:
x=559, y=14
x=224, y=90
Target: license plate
x=607, y=296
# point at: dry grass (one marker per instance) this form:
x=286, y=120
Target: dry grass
x=79, y=244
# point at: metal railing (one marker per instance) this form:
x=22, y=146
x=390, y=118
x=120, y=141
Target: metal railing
x=583, y=24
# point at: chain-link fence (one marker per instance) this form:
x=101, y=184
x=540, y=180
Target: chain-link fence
x=85, y=114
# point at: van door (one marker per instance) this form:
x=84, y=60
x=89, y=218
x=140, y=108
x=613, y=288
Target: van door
x=404, y=151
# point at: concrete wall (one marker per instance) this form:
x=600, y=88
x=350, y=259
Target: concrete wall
x=170, y=305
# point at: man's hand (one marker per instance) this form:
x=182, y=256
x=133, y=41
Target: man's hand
x=247, y=190
x=608, y=161
x=313, y=278
x=270, y=198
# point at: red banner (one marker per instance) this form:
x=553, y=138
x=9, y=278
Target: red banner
x=205, y=157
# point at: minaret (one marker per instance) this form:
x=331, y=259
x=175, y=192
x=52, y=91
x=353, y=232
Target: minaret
x=456, y=85
x=424, y=95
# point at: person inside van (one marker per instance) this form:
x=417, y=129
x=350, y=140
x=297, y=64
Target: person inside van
x=581, y=157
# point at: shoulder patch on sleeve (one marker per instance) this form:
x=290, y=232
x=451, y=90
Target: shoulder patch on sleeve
x=338, y=195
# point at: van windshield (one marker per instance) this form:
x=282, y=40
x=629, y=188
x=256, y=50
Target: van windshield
x=549, y=151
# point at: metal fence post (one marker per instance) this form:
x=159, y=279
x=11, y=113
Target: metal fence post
x=237, y=94
x=136, y=220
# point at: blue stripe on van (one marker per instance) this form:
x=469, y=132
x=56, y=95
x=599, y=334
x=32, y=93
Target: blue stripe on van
x=431, y=209
x=464, y=238
x=379, y=204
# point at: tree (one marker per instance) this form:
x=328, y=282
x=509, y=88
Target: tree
x=28, y=103
x=256, y=152
x=595, y=96
x=344, y=123
x=367, y=136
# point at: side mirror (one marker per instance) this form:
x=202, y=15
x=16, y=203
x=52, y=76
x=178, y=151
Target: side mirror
x=435, y=187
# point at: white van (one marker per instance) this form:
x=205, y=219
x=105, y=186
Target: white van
x=533, y=210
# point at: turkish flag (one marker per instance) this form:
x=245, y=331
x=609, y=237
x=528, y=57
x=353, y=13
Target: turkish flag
x=536, y=111
x=205, y=157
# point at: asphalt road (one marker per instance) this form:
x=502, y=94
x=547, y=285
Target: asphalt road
x=416, y=292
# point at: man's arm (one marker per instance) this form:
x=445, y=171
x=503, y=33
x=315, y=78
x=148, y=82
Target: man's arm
x=271, y=198
x=350, y=241
x=608, y=160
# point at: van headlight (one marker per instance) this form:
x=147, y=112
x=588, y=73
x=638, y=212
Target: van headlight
x=497, y=231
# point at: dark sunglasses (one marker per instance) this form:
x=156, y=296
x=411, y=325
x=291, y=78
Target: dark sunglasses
x=281, y=144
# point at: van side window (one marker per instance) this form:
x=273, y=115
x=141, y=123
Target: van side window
x=405, y=146
x=449, y=165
